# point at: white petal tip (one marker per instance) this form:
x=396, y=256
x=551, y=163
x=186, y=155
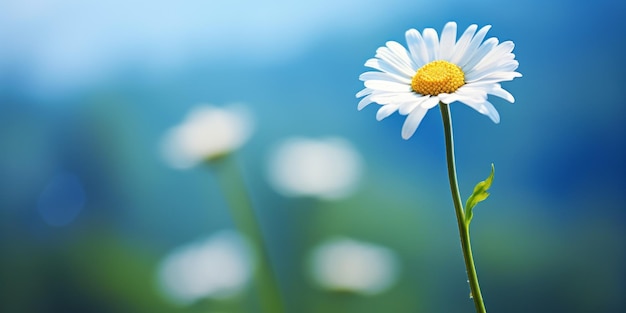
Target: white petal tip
x=385, y=110
x=363, y=103
x=412, y=121
x=411, y=31
x=508, y=97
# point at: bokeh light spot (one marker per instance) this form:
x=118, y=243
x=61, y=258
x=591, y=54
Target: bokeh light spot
x=62, y=199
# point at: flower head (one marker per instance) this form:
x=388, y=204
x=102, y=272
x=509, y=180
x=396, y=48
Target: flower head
x=349, y=265
x=207, y=133
x=435, y=70
x=216, y=267
x=327, y=168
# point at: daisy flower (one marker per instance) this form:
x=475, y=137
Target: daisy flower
x=438, y=70
x=215, y=267
x=344, y=264
x=327, y=168
x=207, y=133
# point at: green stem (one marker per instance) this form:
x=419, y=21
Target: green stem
x=460, y=213
x=235, y=191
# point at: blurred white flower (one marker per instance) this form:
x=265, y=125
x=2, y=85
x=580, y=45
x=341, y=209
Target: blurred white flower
x=216, y=267
x=344, y=264
x=327, y=168
x=207, y=132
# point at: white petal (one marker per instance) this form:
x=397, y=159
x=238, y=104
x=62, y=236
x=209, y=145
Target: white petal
x=478, y=73
x=364, y=102
x=383, y=97
x=417, y=47
x=364, y=92
x=432, y=44
x=385, y=66
x=387, y=86
x=498, y=77
x=430, y=103
x=498, y=91
x=462, y=43
x=407, y=107
x=468, y=98
x=448, y=39
x=385, y=54
x=485, y=108
x=479, y=54
x=400, y=51
x=385, y=111
x=471, y=101
x=492, y=112
x=412, y=122
x=477, y=93
x=496, y=54
x=393, y=97
x=474, y=45
x=495, y=65
x=448, y=97
x=384, y=76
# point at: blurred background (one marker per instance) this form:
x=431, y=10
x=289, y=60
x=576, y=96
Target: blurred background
x=91, y=215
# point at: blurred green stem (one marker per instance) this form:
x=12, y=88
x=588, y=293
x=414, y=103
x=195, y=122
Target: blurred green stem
x=234, y=188
x=460, y=213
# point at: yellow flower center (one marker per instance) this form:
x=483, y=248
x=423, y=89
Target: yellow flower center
x=438, y=77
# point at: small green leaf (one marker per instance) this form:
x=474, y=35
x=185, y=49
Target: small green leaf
x=480, y=193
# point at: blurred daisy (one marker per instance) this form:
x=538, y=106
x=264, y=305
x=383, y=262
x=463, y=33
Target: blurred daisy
x=327, y=168
x=216, y=267
x=207, y=132
x=348, y=265
x=435, y=70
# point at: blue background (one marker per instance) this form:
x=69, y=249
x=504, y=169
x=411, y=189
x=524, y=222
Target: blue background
x=88, y=89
